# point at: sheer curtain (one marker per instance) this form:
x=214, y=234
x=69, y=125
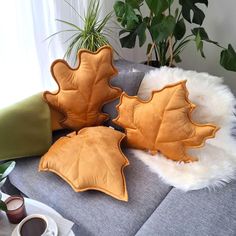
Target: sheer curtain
x=25, y=56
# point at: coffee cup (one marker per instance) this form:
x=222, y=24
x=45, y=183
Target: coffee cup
x=35, y=224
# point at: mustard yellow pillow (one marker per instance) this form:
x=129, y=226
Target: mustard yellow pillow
x=56, y=117
x=84, y=90
x=163, y=123
x=91, y=159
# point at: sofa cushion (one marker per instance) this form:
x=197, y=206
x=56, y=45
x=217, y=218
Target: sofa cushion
x=25, y=128
x=90, y=160
x=129, y=82
x=199, y=212
x=95, y=213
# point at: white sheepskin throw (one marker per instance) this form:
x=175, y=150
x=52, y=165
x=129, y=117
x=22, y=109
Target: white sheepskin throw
x=215, y=104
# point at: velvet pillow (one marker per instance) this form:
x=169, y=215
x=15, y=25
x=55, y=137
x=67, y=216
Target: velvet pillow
x=163, y=123
x=25, y=128
x=129, y=82
x=91, y=159
x=84, y=90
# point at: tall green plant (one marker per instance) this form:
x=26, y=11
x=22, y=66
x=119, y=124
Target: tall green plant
x=92, y=36
x=167, y=28
x=5, y=170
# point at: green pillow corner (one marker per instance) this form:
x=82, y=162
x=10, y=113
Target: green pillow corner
x=25, y=128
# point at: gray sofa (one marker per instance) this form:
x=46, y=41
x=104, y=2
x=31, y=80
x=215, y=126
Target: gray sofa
x=154, y=208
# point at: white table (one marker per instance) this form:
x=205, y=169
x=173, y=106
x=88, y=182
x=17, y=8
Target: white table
x=30, y=206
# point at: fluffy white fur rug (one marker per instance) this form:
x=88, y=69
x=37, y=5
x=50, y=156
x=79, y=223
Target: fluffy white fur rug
x=215, y=104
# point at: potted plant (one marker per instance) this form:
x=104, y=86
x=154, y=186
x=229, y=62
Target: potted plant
x=5, y=170
x=166, y=25
x=92, y=36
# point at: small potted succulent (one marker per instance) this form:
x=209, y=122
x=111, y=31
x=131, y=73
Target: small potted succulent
x=5, y=170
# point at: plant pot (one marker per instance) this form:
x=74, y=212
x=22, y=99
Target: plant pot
x=156, y=64
x=152, y=63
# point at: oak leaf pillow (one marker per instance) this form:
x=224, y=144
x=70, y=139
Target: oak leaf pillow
x=84, y=90
x=163, y=123
x=91, y=159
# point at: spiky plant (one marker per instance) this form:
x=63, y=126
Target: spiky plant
x=92, y=36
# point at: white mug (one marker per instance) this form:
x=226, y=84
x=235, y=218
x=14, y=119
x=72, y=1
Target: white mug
x=46, y=232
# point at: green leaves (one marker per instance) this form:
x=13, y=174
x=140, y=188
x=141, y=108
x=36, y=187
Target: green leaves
x=189, y=6
x=129, y=40
x=3, y=206
x=6, y=168
x=228, y=58
x=134, y=3
x=200, y=36
x=199, y=44
x=125, y=14
x=158, y=6
x=180, y=29
x=203, y=34
x=162, y=30
x=133, y=24
x=177, y=59
x=92, y=36
x=167, y=28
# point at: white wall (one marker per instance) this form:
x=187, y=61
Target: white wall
x=220, y=24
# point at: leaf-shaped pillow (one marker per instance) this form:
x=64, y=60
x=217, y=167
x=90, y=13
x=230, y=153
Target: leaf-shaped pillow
x=83, y=90
x=91, y=159
x=163, y=123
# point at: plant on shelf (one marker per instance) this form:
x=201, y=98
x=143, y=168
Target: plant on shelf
x=5, y=170
x=91, y=36
x=166, y=26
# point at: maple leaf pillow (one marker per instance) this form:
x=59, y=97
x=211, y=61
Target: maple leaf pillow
x=163, y=123
x=84, y=90
x=91, y=159
x=129, y=82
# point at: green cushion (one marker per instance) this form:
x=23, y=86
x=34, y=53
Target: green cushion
x=25, y=128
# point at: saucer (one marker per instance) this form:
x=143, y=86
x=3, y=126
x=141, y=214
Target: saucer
x=51, y=225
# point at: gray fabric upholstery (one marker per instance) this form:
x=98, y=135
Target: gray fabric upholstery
x=129, y=82
x=95, y=213
x=202, y=212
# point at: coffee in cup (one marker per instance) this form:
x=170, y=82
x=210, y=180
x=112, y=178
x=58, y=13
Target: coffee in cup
x=33, y=225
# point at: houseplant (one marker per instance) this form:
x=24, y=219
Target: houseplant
x=166, y=24
x=92, y=36
x=5, y=170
